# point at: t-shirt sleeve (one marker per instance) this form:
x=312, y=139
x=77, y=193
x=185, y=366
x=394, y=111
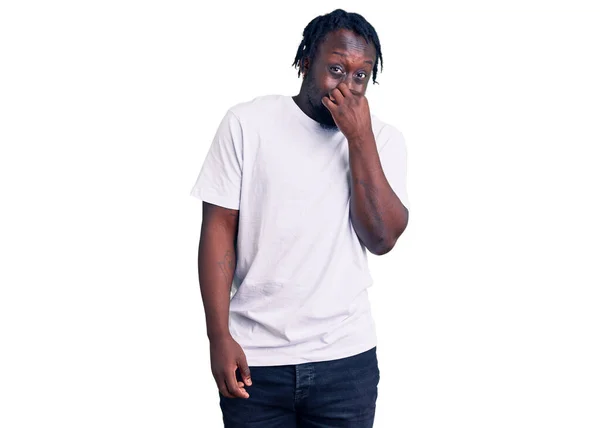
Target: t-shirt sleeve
x=220, y=179
x=393, y=157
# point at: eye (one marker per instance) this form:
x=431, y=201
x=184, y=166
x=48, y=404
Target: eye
x=335, y=66
x=365, y=74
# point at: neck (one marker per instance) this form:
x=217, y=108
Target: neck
x=302, y=101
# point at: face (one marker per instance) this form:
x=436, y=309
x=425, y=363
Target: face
x=343, y=56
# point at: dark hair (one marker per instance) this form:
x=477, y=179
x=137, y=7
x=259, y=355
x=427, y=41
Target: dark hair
x=319, y=27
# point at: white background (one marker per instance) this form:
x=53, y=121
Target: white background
x=487, y=308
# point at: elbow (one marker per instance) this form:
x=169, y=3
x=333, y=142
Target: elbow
x=382, y=251
x=385, y=245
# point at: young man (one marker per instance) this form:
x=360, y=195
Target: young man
x=295, y=190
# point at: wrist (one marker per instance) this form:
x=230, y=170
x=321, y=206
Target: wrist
x=219, y=336
x=365, y=137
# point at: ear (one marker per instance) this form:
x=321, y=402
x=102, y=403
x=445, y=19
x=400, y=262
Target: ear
x=305, y=65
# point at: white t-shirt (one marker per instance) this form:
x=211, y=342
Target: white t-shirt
x=299, y=291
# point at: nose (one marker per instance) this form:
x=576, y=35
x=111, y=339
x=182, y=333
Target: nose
x=352, y=85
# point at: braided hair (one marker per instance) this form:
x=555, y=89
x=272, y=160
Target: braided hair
x=319, y=27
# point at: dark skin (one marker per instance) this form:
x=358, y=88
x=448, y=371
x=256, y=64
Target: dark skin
x=217, y=260
x=333, y=94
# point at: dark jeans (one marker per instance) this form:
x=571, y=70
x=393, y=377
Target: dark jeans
x=325, y=394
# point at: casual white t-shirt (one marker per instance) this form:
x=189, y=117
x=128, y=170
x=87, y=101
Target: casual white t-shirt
x=299, y=291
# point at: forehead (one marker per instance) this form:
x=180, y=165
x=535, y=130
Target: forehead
x=346, y=42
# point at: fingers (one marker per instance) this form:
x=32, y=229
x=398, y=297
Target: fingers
x=245, y=370
x=232, y=384
x=233, y=388
x=336, y=95
x=328, y=103
x=344, y=89
x=227, y=392
x=224, y=391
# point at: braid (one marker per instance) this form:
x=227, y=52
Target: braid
x=319, y=27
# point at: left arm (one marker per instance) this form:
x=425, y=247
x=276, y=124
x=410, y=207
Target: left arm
x=377, y=214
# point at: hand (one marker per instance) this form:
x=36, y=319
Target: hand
x=350, y=111
x=226, y=355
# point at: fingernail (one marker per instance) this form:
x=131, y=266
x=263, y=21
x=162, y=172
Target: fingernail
x=249, y=381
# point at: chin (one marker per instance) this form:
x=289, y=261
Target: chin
x=325, y=118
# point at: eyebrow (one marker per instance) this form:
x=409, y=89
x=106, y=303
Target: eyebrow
x=344, y=55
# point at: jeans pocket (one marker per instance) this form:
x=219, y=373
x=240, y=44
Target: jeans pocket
x=366, y=373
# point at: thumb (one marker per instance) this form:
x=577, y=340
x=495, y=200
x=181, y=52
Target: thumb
x=245, y=370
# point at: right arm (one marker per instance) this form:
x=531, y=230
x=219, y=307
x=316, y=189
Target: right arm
x=216, y=267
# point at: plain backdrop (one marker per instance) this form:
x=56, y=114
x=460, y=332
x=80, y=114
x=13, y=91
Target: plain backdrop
x=487, y=309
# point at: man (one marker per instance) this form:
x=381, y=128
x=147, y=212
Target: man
x=295, y=190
